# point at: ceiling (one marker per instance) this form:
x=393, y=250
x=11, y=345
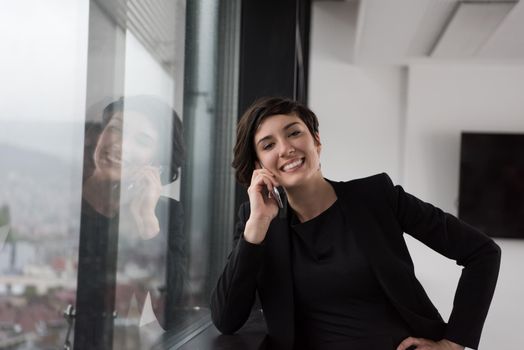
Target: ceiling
x=400, y=31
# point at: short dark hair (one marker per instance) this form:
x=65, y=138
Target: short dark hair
x=172, y=155
x=244, y=151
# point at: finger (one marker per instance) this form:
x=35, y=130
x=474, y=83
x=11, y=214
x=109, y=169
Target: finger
x=410, y=341
x=266, y=177
x=268, y=173
x=262, y=171
x=134, y=174
x=260, y=182
x=261, y=187
x=151, y=227
x=147, y=174
x=155, y=169
x=269, y=181
x=153, y=175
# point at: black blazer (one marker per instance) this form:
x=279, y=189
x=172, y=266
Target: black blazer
x=378, y=213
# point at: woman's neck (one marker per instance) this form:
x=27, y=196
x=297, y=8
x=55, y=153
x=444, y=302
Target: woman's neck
x=311, y=199
x=102, y=194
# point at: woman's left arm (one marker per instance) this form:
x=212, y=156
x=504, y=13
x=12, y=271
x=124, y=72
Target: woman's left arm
x=470, y=248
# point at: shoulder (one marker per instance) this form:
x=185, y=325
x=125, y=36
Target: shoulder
x=373, y=183
x=372, y=191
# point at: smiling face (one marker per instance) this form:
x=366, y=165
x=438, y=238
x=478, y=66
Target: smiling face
x=123, y=147
x=285, y=146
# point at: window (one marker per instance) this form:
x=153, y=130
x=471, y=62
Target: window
x=116, y=191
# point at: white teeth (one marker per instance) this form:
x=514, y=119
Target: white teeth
x=292, y=165
x=113, y=159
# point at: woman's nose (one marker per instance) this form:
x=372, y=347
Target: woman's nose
x=129, y=150
x=286, y=149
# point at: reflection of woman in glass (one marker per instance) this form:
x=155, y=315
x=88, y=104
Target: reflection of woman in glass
x=139, y=147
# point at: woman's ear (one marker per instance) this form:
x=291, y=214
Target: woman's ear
x=317, y=142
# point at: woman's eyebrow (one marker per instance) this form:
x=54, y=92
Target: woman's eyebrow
x=118, y=117
x=264, y=138
x=289, y=125
x=284, y=128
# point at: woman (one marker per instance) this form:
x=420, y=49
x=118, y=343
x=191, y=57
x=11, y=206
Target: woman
x=132, y=248
x=335, y=272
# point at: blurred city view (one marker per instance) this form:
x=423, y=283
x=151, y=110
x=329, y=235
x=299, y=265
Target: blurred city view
x=39, y=226
x=41, y=138
x=40, y=198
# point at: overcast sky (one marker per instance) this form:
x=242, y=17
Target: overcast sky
x=43, y=45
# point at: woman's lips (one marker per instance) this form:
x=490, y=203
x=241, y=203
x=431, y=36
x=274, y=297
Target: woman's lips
x=113, y=158
x=293, y=165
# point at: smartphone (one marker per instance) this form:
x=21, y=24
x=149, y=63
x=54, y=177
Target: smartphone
x=132, y=185
x=276, y=194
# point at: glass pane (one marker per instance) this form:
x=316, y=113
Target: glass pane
x=111, y=207
x=132, y=250
x=132, y=256
x=44, y=53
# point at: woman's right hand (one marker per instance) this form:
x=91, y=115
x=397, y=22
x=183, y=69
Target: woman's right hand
x=264, y=208
x=144, y=192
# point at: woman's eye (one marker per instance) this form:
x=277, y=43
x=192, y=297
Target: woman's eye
x=295, y=133
x=144, y=140
x=267, y=146
x=114, y=128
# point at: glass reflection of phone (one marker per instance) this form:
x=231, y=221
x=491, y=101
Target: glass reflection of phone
x=132, y=187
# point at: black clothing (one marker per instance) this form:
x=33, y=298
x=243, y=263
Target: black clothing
x=105, y=250
x=338, y=299
x=95, y=294
x=161, y=261
x=377, y=213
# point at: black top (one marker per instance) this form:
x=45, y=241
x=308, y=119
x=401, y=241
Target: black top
x=377, y=214
x=106, y=248
x=338, y=301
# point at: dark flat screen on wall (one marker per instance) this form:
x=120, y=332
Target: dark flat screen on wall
x=491, y=193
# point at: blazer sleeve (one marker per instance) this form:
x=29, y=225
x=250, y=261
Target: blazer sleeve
x=477, y=253
x=234, y=294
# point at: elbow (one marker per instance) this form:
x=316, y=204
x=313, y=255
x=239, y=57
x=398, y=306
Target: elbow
x=222, y=326
x=498, y=253
x=491, y=254
x=495, y=252
x=219, y=317
x=487, y=257
x=225, y=330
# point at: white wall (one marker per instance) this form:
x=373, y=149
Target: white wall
x=407, y=121
x=443, y=100
x=360, y=109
